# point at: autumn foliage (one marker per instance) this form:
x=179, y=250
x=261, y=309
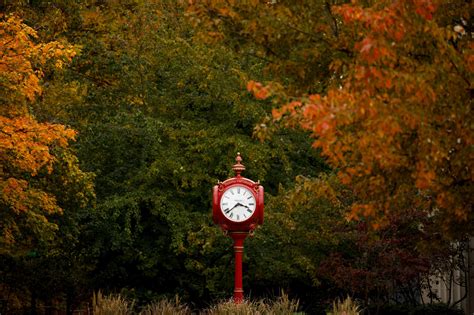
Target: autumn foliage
x=164, y=93
x=27, y=147
x=397, y=127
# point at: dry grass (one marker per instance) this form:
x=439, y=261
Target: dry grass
x=166, y=307
x=346, y=307
x=110, y=304
x=118, y=305
x=282, y=306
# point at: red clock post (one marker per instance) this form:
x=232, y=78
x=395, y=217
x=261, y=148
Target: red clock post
x=237, y=206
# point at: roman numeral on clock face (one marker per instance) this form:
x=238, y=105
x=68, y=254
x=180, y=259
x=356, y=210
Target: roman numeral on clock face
x=238, y=203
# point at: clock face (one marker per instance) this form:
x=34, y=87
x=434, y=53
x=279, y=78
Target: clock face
x=238, y=203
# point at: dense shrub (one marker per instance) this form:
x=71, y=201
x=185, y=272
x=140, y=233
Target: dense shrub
x=435, y=309
x=403, y=309
x=390, y=309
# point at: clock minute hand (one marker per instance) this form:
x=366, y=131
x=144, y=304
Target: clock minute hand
x=236, y=205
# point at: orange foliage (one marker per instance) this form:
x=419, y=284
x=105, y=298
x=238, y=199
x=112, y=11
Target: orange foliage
x=398, y=128
x=18, y=53
x=26, y=145
x=259, y=91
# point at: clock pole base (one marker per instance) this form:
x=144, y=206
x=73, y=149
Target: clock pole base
x=238, y=238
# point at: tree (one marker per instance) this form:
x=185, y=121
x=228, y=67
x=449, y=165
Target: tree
x=28, y=149
x=394, y=264
x=41, y=184
x=397, y=127
x=391, y=113
x=303, y=225
x=160, y=119
x=157, y=161
x=393, y=118
x=295, y=40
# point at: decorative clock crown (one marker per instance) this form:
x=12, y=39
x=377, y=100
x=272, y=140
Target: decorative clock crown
x=238, y=167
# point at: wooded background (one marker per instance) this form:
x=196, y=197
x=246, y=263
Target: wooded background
x=118, y=117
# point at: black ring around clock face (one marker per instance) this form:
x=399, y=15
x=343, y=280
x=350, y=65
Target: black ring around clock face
x=238, y=203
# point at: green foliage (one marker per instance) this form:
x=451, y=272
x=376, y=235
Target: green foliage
x=158, y=145
x=160, y=119
x=298, y=233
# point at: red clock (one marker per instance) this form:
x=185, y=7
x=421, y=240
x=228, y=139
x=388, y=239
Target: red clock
x=237, y=206
x=238, y=203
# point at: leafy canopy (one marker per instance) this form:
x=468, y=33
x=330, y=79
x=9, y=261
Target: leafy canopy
x=393, y=114
x=28, y=149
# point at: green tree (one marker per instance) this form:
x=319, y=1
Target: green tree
x=302, y=227
x=160, y=119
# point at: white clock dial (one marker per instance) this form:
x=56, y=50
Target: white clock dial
x=238, y=203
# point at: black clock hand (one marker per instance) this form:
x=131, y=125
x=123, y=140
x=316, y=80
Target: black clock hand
x=237, y=204
x=248, y=208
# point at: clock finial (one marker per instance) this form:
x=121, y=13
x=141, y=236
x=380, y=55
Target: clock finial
x=238, y=167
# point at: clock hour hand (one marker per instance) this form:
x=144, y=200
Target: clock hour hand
x=242, y=205
x=248, y=208
x=236, y=205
